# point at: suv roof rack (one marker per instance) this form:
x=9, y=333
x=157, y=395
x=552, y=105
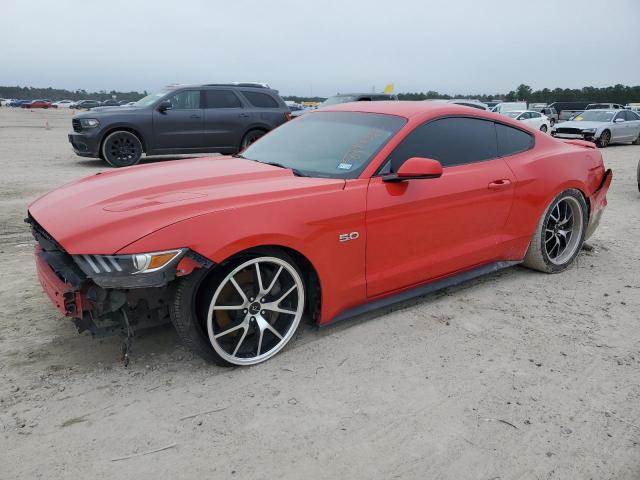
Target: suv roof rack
x=239, y=84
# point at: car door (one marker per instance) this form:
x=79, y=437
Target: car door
x=620, y=128
x=633, y=121
x=180, y=126
x=225, y=119
x=535, y=120
x=419, y=230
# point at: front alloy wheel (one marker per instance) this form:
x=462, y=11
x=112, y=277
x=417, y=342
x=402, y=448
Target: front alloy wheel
x=122, y=149
x=604, y=139
x=255, y=310
x=242, y=312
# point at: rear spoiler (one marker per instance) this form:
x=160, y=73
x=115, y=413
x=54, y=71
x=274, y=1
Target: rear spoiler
x=580, y=143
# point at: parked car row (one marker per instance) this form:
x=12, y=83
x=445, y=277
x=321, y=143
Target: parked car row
x=46, y=103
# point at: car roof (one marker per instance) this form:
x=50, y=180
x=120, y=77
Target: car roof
x=402, y=108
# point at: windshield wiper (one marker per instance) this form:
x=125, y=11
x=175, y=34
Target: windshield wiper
x=295, y=171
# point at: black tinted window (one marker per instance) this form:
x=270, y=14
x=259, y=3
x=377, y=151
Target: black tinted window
x=221, y=99
x=511, y=140
x=451, y=141
x=186, y=100
x=260, y=100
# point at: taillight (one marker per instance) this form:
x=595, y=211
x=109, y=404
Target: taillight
x=287, y=116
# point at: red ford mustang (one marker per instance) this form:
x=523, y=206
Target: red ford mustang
x=342, y=211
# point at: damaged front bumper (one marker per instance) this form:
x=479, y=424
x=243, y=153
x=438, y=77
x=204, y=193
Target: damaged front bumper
x=104, y=309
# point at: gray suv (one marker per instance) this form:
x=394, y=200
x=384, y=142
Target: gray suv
x=223, y=118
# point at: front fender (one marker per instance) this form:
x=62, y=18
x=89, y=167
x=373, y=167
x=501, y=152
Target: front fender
x=309, y=225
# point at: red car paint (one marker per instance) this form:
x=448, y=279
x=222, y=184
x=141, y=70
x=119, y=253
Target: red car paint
x=409, y=233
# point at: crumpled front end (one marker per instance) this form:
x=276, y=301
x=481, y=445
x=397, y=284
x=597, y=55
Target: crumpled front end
x=102, y=308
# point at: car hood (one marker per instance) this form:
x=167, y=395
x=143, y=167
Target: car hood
x=580, y=125
x=106, y=110
x=105, y=212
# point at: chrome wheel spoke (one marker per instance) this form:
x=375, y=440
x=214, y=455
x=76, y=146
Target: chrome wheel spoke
x=239, y=290
x=228, y=307
x=275, y=279
x=259, y=278
x=244, y=334
x=230, y=330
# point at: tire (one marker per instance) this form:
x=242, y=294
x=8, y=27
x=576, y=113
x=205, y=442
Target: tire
x=605, y=138
x=552, y=122
x=543, y=128
x=637, y=140
x=121, y=149
x=546, y=252
x=250, y=137
x=228, y=317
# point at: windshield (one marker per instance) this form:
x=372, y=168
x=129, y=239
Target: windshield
x=338, y=99
x=326, y=144
x=512, y=114
x=594, y=116
x=152, y=98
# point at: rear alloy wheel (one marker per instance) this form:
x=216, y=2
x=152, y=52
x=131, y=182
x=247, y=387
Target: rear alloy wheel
x=637, y=140
x=559, y=235
x=244, y=312
x=552, y=122
x=543, y=128
x=604, y=139
x=121, y=149
x=250, y=137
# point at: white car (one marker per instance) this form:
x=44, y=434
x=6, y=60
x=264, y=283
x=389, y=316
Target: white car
x=64, y=103
x=503, y=107
x=531, y=118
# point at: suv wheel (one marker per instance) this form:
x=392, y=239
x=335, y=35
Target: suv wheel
x=121, y=149
x=250, y=137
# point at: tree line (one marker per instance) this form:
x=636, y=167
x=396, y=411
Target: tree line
x=32, y=93
x=615, y=94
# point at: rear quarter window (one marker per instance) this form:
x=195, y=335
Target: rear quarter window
x=260, y=100
x=512, y=140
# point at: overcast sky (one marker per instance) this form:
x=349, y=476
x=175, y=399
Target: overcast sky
x=321, y=47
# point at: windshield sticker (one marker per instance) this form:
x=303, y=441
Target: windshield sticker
x=345, y=166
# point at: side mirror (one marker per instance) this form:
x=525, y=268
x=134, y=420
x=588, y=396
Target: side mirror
x=416, y=168
x=164, y=106
x=619, y=120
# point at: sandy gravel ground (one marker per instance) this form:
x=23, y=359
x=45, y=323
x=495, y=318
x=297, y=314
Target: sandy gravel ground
x=518, y=375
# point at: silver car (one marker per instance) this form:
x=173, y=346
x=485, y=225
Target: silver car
x=602, y=127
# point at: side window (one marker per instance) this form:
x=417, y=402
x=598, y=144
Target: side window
x=451, y=141
x=511, y=140
x=534, y=115
x=186, y=100
x=632, y=115
x=260, y=100
x=620, y=115
x=221, y=99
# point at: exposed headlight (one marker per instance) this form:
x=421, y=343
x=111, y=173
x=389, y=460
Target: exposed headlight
x=130, y=271
x=589, y=130
x=89, y=122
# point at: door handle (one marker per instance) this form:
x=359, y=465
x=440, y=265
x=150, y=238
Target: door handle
x=499, y=184
x=195, y=116
x=244, y=115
